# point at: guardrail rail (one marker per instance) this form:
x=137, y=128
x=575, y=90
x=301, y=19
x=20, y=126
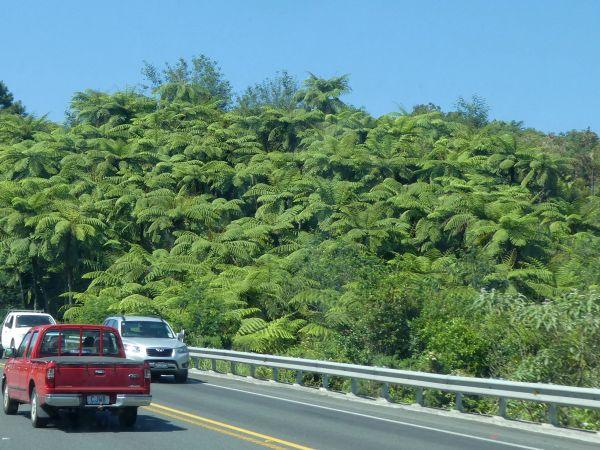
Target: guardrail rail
x=550, y=394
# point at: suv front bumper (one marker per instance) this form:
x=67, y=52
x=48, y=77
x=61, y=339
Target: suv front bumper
x=164, y=366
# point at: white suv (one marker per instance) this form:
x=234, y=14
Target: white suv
x=18, y=322
x=151, y=339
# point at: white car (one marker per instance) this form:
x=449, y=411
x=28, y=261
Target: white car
x=18, y=322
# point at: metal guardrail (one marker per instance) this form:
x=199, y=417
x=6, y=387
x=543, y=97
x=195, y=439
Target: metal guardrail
x=550, y=394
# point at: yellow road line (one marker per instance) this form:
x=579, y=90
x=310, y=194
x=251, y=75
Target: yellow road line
x=221, y=427
x=209, y=427
x=224, y=426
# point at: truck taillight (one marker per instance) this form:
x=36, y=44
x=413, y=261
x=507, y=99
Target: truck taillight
x=50, y=374
x=147, y=374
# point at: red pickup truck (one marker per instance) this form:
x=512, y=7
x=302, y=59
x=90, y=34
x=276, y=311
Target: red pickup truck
x=74, y=367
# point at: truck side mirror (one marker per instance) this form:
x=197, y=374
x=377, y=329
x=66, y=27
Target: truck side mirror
x=9, y=352
x=181, y=335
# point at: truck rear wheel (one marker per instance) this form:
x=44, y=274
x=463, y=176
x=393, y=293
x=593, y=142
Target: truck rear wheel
x=10, y=406
x=36, y=420
x=128, y=417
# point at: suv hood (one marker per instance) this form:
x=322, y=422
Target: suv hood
x=21, y=331
x=153, y=342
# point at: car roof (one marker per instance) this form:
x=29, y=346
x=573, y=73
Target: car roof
x=140, y=318
x=28, y=313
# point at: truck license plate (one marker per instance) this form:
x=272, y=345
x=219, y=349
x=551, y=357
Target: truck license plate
x=97, y=400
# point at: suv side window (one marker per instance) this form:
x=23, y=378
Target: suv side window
x=23, y=346
x=9, y=322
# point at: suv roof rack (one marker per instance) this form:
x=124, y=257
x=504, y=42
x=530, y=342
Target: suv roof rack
x=27, y=310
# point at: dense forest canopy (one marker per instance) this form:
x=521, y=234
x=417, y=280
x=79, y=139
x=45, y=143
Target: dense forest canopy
x=286, y=220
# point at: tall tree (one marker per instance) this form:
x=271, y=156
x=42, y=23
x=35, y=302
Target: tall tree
x=7, y=103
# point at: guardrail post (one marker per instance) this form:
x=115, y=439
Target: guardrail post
x=213, y=365
x=459, y=405
x=502, y=407
x=419, y=397
x=385, y=392
x=252, y=371
x=552, y=414
x=299, y=375
x=353, y=386
x=325, y=379
x=233, y=368
x=275, y=374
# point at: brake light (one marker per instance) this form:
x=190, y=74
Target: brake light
x=50, y=374
x=147, y=374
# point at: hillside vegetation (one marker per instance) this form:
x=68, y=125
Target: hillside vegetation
x=284, y=220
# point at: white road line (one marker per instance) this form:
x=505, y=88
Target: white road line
x=368, y=416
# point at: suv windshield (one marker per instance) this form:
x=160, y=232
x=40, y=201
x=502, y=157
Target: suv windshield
x=145, y=329
x=32, y=321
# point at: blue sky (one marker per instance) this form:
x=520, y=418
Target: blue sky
x=535, y=61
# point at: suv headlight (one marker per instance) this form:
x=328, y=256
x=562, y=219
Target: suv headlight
x=182, y=350
x=132, y=348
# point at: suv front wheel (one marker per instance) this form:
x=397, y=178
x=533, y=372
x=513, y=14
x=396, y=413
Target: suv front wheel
x=181, y=376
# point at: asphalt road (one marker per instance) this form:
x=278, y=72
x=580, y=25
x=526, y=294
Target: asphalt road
x=218, y=413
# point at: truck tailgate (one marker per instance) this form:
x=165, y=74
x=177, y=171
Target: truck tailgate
x=97, y=374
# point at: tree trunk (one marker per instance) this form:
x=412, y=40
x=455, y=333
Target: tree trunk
x=34, y=274
x=21, y=289
x=46, y=301
x=70, y=284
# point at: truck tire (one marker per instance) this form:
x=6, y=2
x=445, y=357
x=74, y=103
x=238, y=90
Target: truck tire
x=36, y=420
x=10, y=406
x=128, y=417
x=181, y=376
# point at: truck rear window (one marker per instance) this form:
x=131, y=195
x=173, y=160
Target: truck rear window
x=32, y=321
x=76, y=342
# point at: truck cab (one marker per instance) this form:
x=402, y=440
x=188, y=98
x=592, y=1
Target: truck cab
x=74, y=367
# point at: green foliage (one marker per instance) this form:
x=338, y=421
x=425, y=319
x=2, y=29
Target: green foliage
x=297, y=224
x=200, y=80
x=277, y=92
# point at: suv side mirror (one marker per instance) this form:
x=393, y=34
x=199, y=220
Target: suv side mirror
x=9, y=352
x=181, y=335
